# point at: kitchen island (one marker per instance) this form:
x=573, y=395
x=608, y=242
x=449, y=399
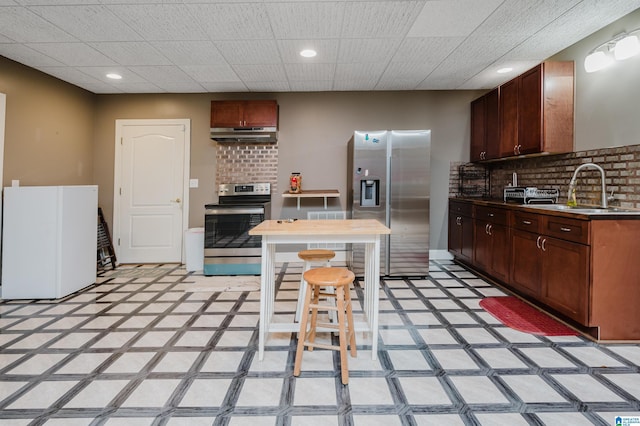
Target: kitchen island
x=578, y=263
x=356, y=231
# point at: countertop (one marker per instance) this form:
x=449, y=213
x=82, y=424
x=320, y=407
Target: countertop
x=584, y=212
x=321, y=227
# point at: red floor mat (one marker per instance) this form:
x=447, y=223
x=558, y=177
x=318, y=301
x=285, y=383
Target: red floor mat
x=518, y=315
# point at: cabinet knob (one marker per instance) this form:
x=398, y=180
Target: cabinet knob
x=538, y=241
x=563, y=229
x=544, y=241
x=526, y=222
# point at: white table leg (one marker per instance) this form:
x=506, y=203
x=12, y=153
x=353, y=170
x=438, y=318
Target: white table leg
x=267, y=293
x=371, y=296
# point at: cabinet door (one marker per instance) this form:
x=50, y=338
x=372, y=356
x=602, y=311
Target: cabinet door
x=466, y=248
x=509, y=118
x=492, y=133
x=481, y=245
x=499, y=252
x=478, y=129
x=261, y=114
x=227, y=113
x=455, y=234
x=565, y=277
x=526, y=262
x=530, y=111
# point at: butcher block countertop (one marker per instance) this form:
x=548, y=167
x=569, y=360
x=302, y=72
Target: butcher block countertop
x=321, y=227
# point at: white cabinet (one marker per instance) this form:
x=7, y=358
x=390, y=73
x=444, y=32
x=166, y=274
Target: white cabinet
x=49, y=241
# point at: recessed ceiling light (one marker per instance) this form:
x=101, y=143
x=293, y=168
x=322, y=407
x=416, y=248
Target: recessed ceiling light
x=114, y=76
x=504, y=70
x=308, y=53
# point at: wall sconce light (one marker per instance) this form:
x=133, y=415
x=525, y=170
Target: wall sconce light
x=622, y=46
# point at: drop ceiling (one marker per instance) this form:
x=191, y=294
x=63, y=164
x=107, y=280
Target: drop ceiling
x=191, y=46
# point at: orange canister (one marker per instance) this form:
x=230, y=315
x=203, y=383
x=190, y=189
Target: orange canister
x=295, y=183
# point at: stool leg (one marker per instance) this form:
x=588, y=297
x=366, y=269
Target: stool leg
x=302, y=335
x=349, y=313
x=302, y=291
x=344, y=368
x=314, y=315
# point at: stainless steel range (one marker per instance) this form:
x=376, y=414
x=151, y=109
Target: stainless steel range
x=228, y=247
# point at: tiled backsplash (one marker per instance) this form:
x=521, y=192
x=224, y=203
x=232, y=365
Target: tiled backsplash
x=621, y=165
x=247, y=162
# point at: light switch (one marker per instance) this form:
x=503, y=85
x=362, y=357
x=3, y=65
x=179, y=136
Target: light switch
x=193, y=183
x=15, y=182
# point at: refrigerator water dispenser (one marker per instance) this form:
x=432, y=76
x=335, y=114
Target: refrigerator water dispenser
x=370, y=193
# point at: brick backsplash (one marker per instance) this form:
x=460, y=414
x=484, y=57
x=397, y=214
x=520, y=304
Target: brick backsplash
x=247, y=162
x=621, y=165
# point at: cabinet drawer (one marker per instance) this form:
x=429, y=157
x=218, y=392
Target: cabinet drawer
x=460, y=208
x=567, y=229
x=491, y=214
x=527, y=221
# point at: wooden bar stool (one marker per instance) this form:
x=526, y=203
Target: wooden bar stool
x=338, y=279
x=311, y=257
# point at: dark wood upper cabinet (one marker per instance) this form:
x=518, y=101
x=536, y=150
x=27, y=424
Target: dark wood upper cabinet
x=485, y=130
x=244, y=113
x=531, y=114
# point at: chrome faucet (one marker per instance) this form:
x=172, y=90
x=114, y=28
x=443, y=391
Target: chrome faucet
x=572, y=184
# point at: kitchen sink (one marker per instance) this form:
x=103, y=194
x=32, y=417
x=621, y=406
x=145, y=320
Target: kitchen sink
x=584, y=209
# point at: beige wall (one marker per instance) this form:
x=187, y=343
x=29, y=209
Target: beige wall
x=313, y=134
x=49, y=129
x=607, y=101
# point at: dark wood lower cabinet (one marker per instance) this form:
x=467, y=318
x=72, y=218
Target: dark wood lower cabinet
x=584, y=269
x=565, y=277
x=526, y=262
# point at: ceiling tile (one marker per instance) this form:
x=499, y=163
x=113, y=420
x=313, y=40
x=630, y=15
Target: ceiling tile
x=397, y=84
x=363, y=50
x=267, y=72
x=71, y=75
x=182, y=86
x=349, y=85
x=453, y=18
x=290, y=50
x=142, y=87
x=100, y=73
x=88, y=23
x=189, y=52
x=305, y=20
x=131, y=53
x=523, y=17
x=311, y=86
x=73, y=54
x=160, y=21
x=310, y=72
x=354, y=72
x=28, y=56
x=249, y=52
x=211, y=73
x=379, y=19
x=268, y=86
x=426, y=49
x=230, y=21
x=407, y=71
x=225, y=86
x=162, y=75
x=23, y=26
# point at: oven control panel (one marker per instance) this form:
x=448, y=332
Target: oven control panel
x=262, y=188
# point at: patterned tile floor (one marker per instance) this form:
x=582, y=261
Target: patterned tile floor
x=140, y=348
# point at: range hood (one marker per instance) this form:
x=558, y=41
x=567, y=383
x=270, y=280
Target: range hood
x=244, y=134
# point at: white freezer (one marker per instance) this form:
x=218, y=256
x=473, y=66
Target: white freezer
x=49, y=240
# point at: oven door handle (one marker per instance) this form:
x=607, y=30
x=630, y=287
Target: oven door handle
x=241, y=210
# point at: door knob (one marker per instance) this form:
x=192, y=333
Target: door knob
x=177, y=200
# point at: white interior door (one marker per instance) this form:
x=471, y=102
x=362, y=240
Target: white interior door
x=3, y=110
x=151, y=190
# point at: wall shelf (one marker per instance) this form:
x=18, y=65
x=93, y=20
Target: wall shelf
x=314, y=193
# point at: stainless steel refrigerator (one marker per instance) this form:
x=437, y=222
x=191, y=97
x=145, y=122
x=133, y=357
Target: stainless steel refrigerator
x=388, y=180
